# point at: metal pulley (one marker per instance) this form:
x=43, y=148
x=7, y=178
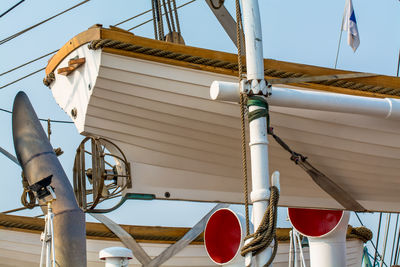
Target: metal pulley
x=101, y=172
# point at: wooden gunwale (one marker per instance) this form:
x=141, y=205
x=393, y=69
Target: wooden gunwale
x=97, y=32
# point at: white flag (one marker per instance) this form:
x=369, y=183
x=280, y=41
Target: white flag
x=350, y=25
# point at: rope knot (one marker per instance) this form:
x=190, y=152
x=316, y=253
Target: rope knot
x=266, y=231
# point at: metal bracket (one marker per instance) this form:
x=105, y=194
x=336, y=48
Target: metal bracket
x=255, y=87
x=227, y=22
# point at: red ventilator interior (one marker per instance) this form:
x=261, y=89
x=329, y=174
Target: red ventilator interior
x=222, y=236
x=313, y=222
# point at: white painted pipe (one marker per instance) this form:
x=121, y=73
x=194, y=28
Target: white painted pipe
x=253, y=40
x=330, y=250
x=387, y=108
x=259, y=177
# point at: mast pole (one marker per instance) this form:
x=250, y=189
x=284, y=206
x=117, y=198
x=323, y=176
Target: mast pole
x=340, y=36
x=398, y=65
x=255, y=84
x=258, y=127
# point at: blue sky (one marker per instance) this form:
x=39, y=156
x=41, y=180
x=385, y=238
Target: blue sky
x=298, y=31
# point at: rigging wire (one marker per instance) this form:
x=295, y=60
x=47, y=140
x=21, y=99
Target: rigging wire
x=9, y=38
x=377, y=238
x=398, y=65
x=11, y=8
x=159, y=20
x=395, y=260
x=46, y=120
x=176, y=16
x=153, y=9
x=131, y=18
x=17, y=209
x=394, y=240
x=171, y=16
x=147, y=21
x=385, y=238
x=372, y=242
x=166, y=12
x=27, y=63
x=23, y=77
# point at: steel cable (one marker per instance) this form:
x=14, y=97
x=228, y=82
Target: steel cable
x=11, y=8
x=9, y=38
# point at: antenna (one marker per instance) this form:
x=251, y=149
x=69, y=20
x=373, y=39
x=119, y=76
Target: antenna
x=398, y=63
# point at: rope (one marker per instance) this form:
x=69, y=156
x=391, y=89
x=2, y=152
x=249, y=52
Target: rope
x=243, y=105
x=160, y=20
x=28, y=199
x=362, y=233
x=178, y=27
x=51, y=77
x=167, y=16
x=234, y=66
x=266, y=232
x=171, y=15
x=48, y=129
x=153, y=12
x=336, y=192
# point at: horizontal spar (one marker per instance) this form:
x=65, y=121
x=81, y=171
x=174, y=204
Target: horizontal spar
x=293, y=98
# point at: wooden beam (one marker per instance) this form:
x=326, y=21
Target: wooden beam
x=65, y=71
x=76, y=63
x=97, y=32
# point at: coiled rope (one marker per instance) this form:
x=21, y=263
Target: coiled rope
x=28, y=199
x=362, y=233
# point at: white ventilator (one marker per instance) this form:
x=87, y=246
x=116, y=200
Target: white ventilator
x=116, y=256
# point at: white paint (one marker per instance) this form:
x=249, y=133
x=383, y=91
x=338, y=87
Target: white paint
x=116, y=256
x=179, y=140
x=387, y=108
x=74, y=90
x=260, y=177
x=23, y=249
x=258, y=130
x=330, y=250
x=253, y=40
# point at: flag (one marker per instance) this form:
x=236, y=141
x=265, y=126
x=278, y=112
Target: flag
x=350, y=25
